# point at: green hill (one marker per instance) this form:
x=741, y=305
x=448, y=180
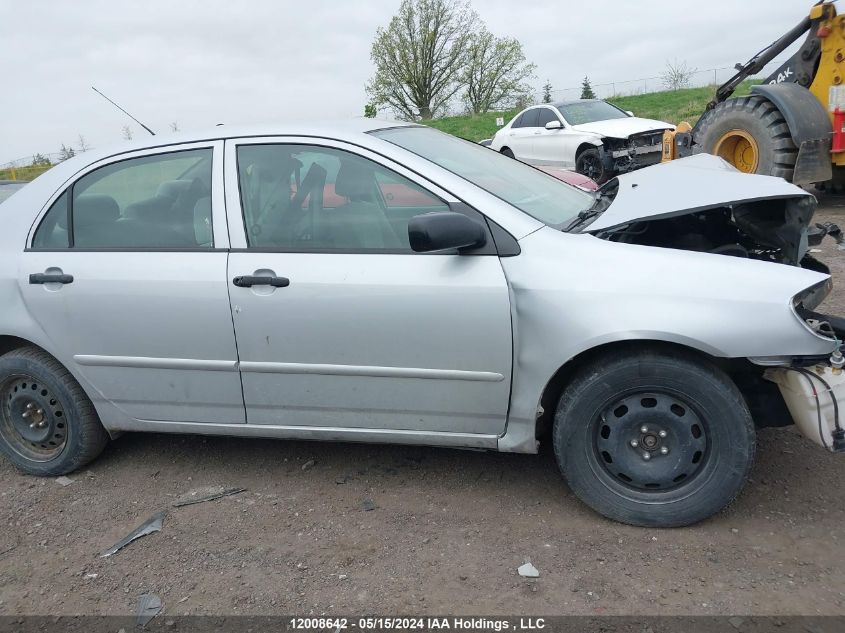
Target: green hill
x=673, y=106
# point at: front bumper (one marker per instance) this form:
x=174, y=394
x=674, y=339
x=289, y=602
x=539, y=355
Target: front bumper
x=621, y=161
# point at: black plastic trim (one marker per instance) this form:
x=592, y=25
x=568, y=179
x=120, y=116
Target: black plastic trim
x=506, y=244
x=47, y=278
x=137, y=249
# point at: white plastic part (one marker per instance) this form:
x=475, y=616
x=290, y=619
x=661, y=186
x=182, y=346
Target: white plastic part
x=798, y=392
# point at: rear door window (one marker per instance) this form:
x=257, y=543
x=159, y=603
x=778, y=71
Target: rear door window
x=156, y=201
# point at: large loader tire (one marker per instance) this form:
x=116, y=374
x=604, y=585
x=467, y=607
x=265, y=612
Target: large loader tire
x=751, y=134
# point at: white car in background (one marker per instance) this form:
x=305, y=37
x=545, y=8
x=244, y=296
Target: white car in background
x=591, y=136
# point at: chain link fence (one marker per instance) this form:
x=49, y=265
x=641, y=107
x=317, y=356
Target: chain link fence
x=709, y=77
x=30, y=167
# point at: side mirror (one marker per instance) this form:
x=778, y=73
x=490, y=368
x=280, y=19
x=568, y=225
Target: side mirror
x=553, y=125
x=629, y=113
x=444, y=230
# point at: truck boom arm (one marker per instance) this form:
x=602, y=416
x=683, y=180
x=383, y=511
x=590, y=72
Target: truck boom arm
x=759, y=61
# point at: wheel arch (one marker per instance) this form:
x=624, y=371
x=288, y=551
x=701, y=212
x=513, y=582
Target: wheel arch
x=10, y=343
x=587, y=145
x=560, y=379
x=805, y=116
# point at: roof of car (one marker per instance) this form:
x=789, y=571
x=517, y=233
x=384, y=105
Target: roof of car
x=558, y=104
x=339, y=129
x=336, y=128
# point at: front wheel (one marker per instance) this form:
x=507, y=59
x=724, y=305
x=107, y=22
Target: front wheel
x=48, y=425
x=507, y=152
x=654, y=438
x=589, y=164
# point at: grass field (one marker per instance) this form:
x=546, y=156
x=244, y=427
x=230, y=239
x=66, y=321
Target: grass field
x=672, y=106
x=23, y=173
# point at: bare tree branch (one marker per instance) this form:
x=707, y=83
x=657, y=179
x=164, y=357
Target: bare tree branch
x=677, y=75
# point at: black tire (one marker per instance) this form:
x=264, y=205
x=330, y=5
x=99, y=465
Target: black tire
x=507, y=152
x=762, y=120
x=690, y=396
x=589, y=164
x=48, y=426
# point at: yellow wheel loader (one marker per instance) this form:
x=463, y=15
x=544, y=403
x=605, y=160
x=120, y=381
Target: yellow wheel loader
x=792, y=124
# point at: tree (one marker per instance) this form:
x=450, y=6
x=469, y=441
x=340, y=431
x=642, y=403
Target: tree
x=39, y=160
x=370, y=111
x=677, y=75
x=83, y=144
x=587, y=89
x=66, y=152
x=419, y=57
x=495, y=72
x=547, y=92
x=127, y=133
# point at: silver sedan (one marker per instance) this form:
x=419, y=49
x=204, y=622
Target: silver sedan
x=383, y=282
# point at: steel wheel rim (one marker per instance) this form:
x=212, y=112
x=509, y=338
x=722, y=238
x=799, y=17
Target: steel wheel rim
x=740, y=149
x=32, y=418
x=650, y=441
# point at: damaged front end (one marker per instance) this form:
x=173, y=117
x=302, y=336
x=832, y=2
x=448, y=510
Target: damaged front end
x=770, y=230
x=623, y=155
x=775, y=226
x=702, y=204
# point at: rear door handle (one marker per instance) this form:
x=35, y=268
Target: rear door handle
x=48, y=278
x=248, y=281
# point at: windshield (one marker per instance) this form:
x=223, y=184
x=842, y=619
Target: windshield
x=582, y=112
x=530, y=190
x=6, y=190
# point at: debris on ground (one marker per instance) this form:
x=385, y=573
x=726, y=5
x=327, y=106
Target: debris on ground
x=208, y=493
x=368, y=505
x=153, y=524
x=149, y=606
x=308, y=464
x=64, y=481
x=528, y=570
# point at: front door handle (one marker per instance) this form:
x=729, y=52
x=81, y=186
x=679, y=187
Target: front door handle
x=50, y=278
x=248, y=281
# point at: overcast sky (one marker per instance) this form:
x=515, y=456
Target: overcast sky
x=222, y=61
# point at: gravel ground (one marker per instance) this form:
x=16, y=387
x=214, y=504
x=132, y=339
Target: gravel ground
x=333, y=528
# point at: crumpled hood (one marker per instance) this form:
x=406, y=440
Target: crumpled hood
x=685, y=186
x=623, y=128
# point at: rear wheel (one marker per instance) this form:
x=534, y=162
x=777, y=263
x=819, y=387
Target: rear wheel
x=48, y=425
x=654, y=438
x=589, y=163
x=507, y=152
x=751, y=134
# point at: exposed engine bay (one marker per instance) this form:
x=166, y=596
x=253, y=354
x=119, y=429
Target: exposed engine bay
x=777, y=231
